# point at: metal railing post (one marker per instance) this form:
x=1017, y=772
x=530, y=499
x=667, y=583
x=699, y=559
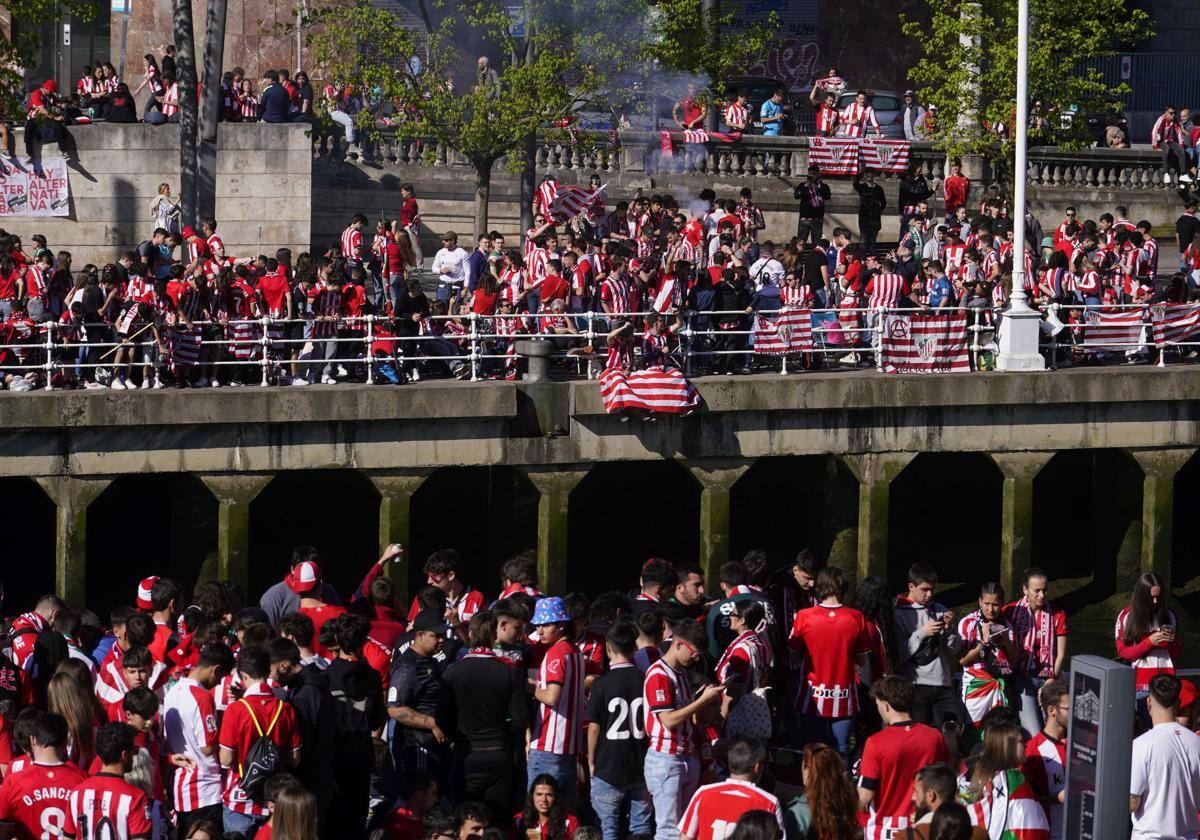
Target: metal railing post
x=474, y=347
x=1053, y=307
x=591, y=341
x=688, y=345
x=264, y=324
x=878, y=339
x=370, y=343
x=50, y=325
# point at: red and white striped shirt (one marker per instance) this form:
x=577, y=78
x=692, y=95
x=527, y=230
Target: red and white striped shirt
x=748, y=659
x=512, y=281
x=170, y=104
x=106, y=807
x=1150, y=255
x=715, y=809
x=248, y=106
x=796, y=295
x=614, y=291
x=189, y=718
x=1154, y=660
x=665, y=689
x=737, y=116
x=1089, y=284
x=827, y=119
x=1045, y=768
x=1166, y=130
x=351, y=241
x=885, y=290
x=112, y=688
x=855, y=118
x=559, y=729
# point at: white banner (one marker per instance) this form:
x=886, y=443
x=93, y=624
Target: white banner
x=29, y=189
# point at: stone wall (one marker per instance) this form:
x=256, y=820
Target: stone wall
x=263, y=189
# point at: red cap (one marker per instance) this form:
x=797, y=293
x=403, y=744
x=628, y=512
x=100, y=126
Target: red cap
x=50, y=85
x=1187, y=694
x=304, y=578
x=145, y=588
x=189, y=232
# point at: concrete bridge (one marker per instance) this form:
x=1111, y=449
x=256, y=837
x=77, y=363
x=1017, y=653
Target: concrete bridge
x=1082, y=471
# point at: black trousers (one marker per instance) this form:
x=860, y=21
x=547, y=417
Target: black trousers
x=485, y=775
x=936, y=704
x=868, y=233
x=812, y=229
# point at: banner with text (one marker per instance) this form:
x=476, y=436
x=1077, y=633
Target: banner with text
x=34, y=189
x=923, y=343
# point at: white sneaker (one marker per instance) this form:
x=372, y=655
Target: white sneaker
x=328, y=380
x=237, y=383
x=202, y=382
x=416, y=375
x=158, y=385
x=1166, y=177
x=146, y=383
x=117, y=385
x=342, y=372
x=1185, y=179
x=299, y=382
x=216, y=383
x=95, y=386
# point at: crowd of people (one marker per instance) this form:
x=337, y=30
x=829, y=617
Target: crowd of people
x=785, y=706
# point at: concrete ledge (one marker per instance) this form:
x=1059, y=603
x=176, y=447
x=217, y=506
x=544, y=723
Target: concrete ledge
x=250, y=405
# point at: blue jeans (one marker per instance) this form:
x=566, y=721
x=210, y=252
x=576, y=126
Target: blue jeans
x=832, y=731
x=671, y=780
x=608, y=801
x=241, y=823
x=445, y=291
x=1026, y=688
x=561, y=767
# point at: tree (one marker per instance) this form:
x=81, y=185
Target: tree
x=969, y=67
x=20, y=51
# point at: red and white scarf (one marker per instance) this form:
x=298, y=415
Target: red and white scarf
x=1034, y=634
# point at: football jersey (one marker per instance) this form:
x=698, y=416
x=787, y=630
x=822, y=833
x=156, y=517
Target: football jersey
x=1045, y=770
x=665, y=689
x=239, y=733
x=557, y=729
x=35, y=800
x=715, y=809
x=890, y=759
x=829, y=638
x=106, y=807
x=190, y=723
x=319, y=616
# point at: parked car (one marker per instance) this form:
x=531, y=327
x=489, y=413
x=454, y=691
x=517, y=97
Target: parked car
x=759, y=89
x=888, y=105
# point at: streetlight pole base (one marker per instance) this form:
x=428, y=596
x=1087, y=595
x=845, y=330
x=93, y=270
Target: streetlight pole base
x=1018, y=339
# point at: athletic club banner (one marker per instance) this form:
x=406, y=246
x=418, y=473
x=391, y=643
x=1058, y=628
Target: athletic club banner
x=1119, y=331
x=918, y=342
x=790, y=332
x=834, y=155
x=884, y=155
x=27, y=189
x=1174, y=323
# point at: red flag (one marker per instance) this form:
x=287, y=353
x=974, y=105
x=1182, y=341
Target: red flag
x=834, y=155
x=662, y=390
x=569, y=202
x=1118, y=331
x=918, y=342
x=790, y=332
x=885, y=155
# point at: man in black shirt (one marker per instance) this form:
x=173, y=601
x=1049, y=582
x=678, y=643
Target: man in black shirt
x=415, y=692
x=486, y=710
x=1187, y=226
x=815, y=263
x=616, y=737
x=813, y=195
x=871, y=204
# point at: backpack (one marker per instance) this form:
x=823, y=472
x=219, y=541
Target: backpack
x=262, y=759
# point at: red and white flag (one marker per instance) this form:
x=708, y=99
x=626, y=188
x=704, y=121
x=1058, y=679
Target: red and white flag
x=569, y=202
x=657, y=389
x=885, y=155
x=666, y=295
x=1174, y=323
x=789, y=332
x=545, y=197
x=918, y=342
x=834, y=155
x=1119, y=330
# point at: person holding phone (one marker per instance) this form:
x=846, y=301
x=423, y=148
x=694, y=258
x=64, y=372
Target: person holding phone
x=927, y=647
x=988, y=655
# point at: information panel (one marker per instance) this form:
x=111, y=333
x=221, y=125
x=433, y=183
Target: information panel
x=1098, y=751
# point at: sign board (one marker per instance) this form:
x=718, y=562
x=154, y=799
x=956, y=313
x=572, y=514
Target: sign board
x=1098, y=753
x=27, y=189
x=1126, y=67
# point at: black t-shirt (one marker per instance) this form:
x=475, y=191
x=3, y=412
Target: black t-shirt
x=815, y=260
x=416, y=682
x=486, y=703
x=1186, y=228
x=617, y=707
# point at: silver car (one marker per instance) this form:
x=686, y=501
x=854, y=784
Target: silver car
x=888, y=105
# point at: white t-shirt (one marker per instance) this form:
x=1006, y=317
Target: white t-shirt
x=1166, y=775
x=454, y=259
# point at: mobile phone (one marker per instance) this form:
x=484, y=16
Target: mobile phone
x=998, y=631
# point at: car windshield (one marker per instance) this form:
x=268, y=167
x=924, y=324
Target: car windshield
x=754, y=92
x=880, y=102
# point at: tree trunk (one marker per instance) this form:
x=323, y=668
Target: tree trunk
x=185, y=47
x=483, y=196
x=710, y=10
x=528, y=183
x=210, y=110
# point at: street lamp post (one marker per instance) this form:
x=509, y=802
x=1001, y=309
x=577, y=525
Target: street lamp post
x=1022, y=324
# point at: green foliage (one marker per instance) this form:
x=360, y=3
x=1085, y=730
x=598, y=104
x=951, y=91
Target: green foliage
x=20, y=52
x=967, y=45
x=713, y=46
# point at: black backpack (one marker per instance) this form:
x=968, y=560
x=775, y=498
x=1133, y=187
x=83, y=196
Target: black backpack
x=262, y=759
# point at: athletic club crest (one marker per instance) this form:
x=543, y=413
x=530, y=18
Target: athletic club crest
x=926, y=347
x=837, y=152
x=886, y=154
x=785, y=331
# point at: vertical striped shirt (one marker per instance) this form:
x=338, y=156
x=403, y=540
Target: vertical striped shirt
x=559, y=729
x=663, y=690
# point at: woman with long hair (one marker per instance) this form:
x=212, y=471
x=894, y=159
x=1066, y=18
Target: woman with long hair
x=294, y=816
x=756, y=825
x=999, y=793
x=398, y=261
x=826, y=810
x=988, y=656
x=1145, y=632
x=544, y=812
x=66, y=697
x=950, y=822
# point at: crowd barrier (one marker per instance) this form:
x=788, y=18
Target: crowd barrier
x=476, y=346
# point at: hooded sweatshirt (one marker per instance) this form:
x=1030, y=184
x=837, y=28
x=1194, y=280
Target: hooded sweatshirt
x=910, y=619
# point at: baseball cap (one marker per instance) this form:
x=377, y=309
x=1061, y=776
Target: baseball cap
x=50, y=85
x=189, y=231
x=145, y=588
x=304, y=578
x=549, y=611
x=910, y=93
x=429, y=621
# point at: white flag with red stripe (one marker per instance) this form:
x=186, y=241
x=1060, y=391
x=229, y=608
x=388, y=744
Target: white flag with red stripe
x=1174, y=323
x=834, y=155
x=1117, y=330
x=884, y=155
x=545, y=197
x=789, y=332
x=918, y=342
x=569, y=202
x=657, y=389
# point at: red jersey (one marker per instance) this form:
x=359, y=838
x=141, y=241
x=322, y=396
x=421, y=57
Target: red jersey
x=164, y=640
x=884, y=290
x=715, y=809
x=890, y=759
x=1045, y=769
x=351, y=242
x=319, y=616
x=36, y=800
x=665, y=689
x=558, y=729
x=830, y=638
x=106, y=807
x=274, y=289
x=258, y=712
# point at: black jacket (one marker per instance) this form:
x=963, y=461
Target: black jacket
x=871, y=201
x=914, y=191
x=309, y=694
